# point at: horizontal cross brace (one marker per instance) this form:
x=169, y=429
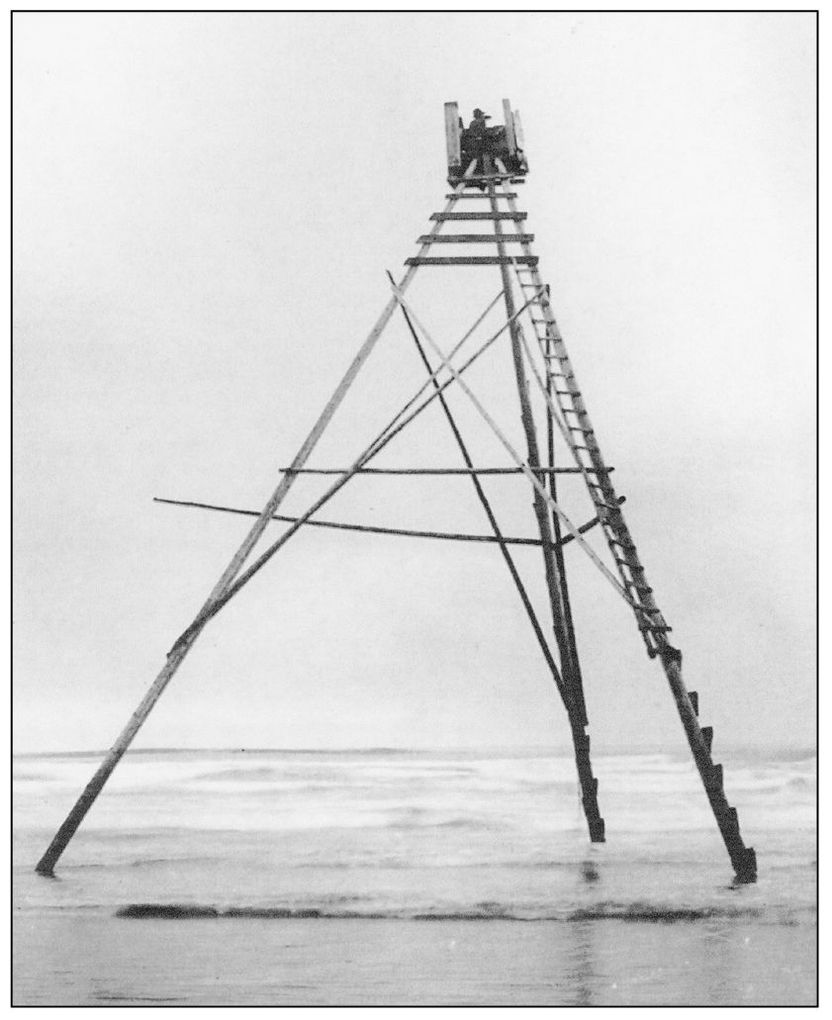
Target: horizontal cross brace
x=475, y=238
x=475, y=179
x=484, y=194
x=471, y=260
x=377, y=529
x=479, y=216
x=437, y=471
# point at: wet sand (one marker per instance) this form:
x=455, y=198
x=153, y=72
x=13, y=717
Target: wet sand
x=119, y=961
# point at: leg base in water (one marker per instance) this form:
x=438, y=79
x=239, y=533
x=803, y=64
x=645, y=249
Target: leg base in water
x=746, y=867
x=596, y=831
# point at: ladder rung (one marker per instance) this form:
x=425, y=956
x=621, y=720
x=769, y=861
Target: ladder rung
x=469, y=260
x=476, y=178
x=655, y=628
x=479, y=216
x=484, y=194
x=556, y=357
x=475, y=238
x=568, y=393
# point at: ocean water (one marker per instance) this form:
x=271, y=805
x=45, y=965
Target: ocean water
x=399, y=877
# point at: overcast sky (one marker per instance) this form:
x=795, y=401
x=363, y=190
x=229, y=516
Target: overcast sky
x=205, y=207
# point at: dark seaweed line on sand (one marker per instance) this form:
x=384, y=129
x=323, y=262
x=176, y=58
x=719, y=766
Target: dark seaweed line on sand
x=181, y=912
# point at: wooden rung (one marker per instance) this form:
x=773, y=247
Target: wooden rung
x=495, y=176
x=470, y=260
x=479, y=216
x=484, y=194
x=475, y=238
x=655, y=628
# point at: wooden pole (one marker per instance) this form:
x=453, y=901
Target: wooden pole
x=578, y=685
x=437, y=471
x=46, y=865
x=534, y=461
x=556, y=531
x=574, y=702
x=375, y=529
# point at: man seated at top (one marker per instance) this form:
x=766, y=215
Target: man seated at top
x=478, y=125
x=477, y=138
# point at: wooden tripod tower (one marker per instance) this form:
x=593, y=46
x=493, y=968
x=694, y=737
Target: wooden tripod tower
x=484, y=163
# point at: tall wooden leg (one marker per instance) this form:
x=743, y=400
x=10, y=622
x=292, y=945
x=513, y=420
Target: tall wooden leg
x=554, y=577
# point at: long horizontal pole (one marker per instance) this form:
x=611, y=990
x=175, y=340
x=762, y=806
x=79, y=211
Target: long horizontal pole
x=435, y=471
x=376, y=529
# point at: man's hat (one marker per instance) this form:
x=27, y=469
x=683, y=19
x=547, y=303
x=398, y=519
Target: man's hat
x=478, y=113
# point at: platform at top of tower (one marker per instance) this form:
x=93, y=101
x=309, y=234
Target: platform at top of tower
x=484, y=144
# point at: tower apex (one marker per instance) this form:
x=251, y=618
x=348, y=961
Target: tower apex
x=481, y=143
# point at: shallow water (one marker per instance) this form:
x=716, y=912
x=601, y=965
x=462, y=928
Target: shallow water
x=405, y=877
